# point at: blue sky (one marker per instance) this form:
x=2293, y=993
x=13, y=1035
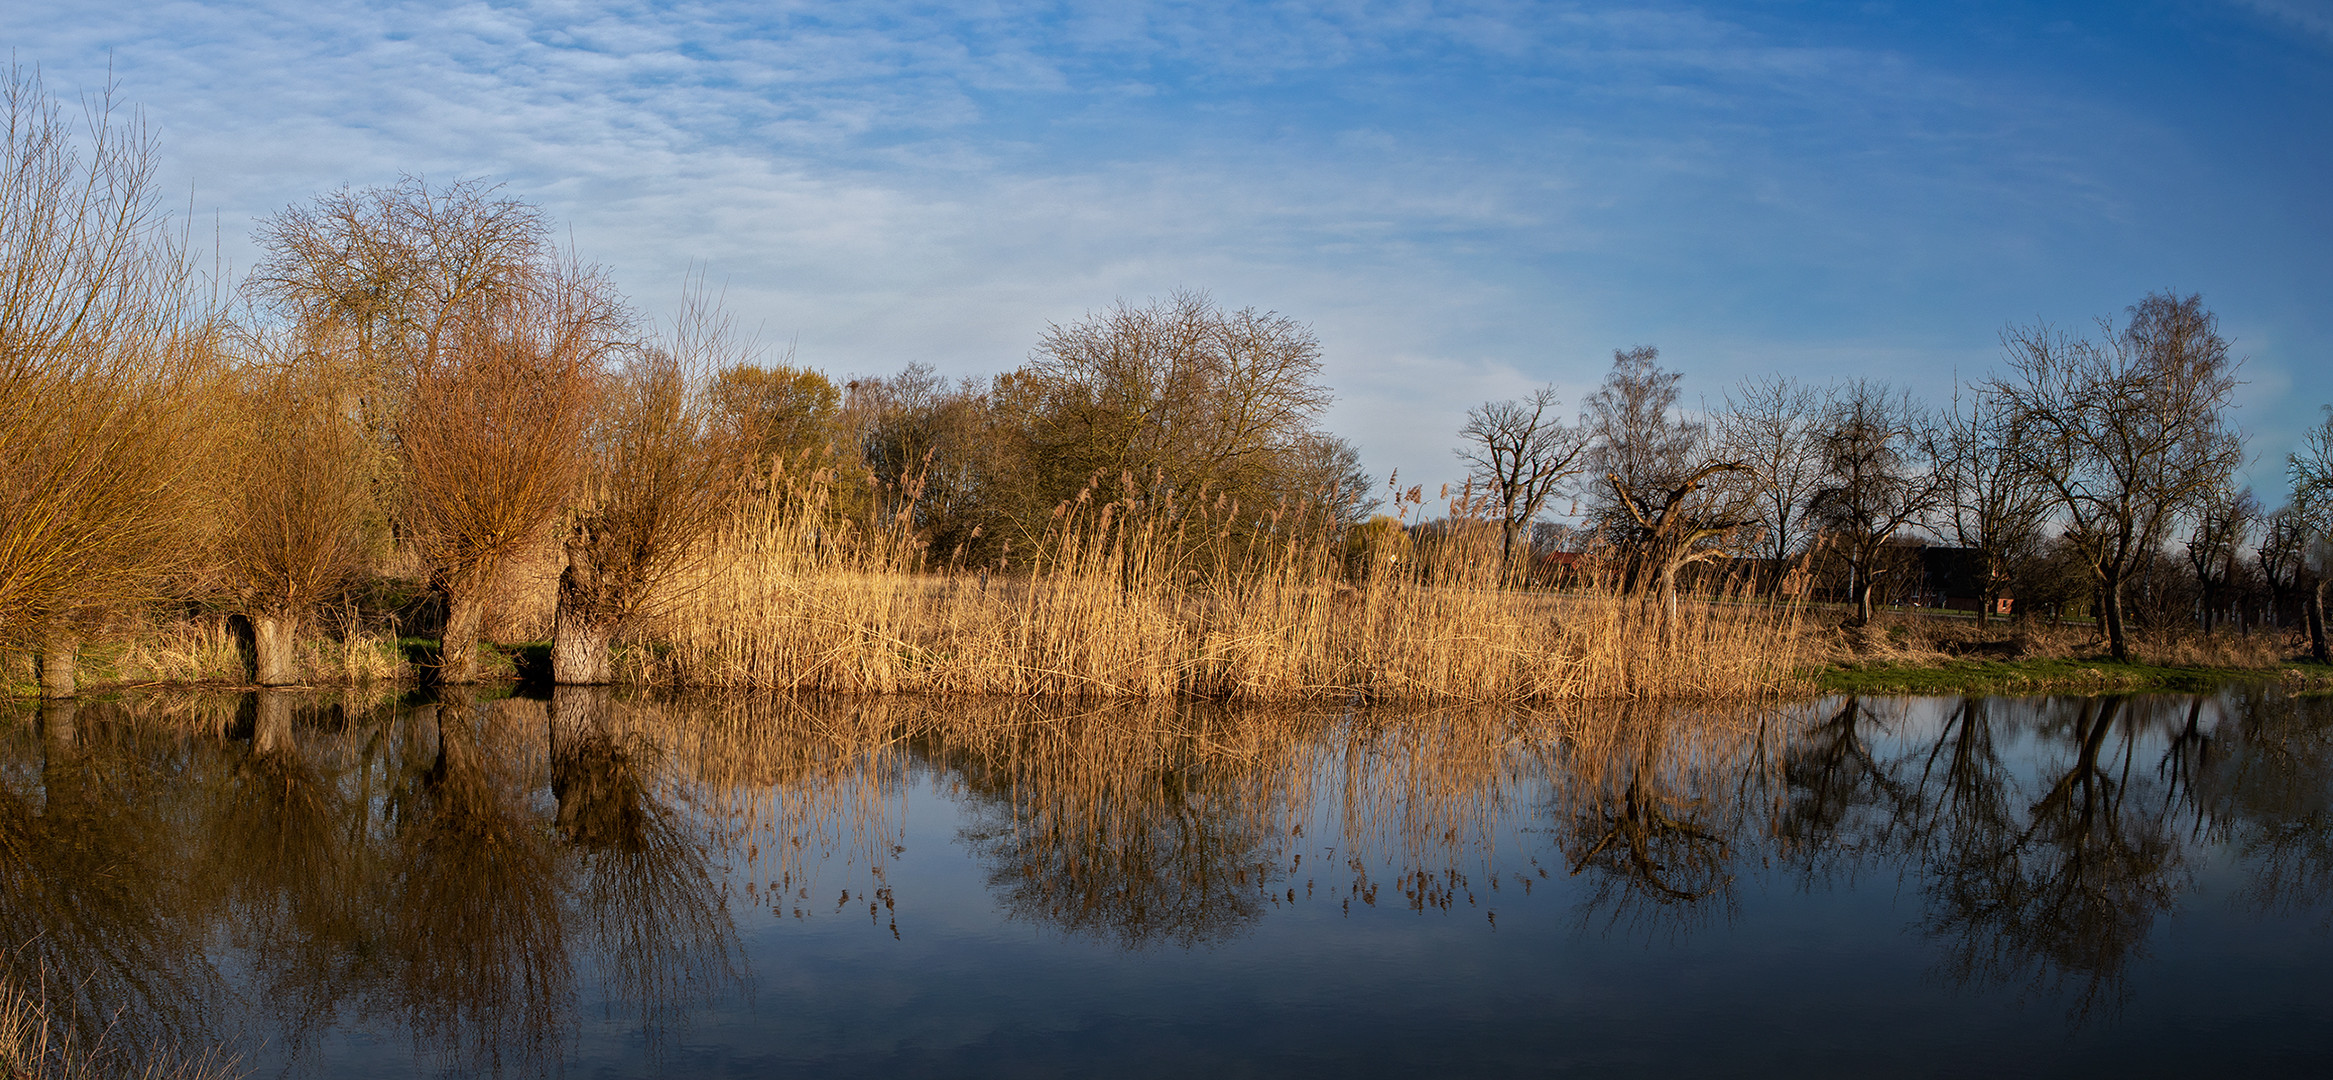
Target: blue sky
x=1463, y=200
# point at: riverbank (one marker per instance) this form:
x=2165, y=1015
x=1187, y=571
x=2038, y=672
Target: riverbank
x=1910, y=654
x=1913, y=655
x=2069, y=676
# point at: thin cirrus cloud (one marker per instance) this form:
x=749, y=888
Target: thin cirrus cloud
x=1465, y=200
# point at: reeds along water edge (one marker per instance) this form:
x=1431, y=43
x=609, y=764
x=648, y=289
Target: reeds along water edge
x=1128, y=598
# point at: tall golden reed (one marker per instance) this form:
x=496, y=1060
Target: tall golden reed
x=1132, y=598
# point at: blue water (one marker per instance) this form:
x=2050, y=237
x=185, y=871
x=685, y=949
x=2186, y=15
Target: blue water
x=1151, y=893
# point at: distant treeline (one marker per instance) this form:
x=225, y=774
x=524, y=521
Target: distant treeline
x=415, y=391
x=2093, y=473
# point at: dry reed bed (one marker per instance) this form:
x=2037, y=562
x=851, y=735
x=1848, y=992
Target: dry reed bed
x=1119, y=606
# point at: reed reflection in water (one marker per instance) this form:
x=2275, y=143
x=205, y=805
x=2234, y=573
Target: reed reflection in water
x=281, y=871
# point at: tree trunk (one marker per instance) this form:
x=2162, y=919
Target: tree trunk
x=274, y=659
x=2110, y=600
x=59, y=661
x=2317, y=623
x=579, y=637
x=457, y=653
x=1862, y=598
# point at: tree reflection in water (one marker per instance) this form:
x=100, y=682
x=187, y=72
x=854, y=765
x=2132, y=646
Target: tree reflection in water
x=475, y=924
x=1155, y=832
x=648, y=893
x=2266, y=789
x=92, y=905
x=466, y=869
x=1844, y=807
x=1653, y=808
x=364, y=861
x=2070, y=893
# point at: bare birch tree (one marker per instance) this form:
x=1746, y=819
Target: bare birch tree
x=2128, y=431
x=1659, y=505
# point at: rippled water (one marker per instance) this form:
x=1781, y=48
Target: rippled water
x=598, y=886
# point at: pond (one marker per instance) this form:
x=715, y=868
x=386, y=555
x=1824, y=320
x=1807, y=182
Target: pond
x=597, y=885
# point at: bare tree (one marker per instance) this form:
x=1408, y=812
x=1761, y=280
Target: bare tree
x=1520, y=454
x=1770, y=425
x=1325, y=473
x=1658, y=505
x=476, y=351
x=2223, y=520
x=382, y=275
x=493, y=439
x=2311, y=468
x=299, y=497
x=2128, y=431
x=1988, y=500
x=2281, y=557
x=1180, y=396
x=662, y=475
x=935, y=457
x=1637, y=438
x=104, y=361
x=1876, y=477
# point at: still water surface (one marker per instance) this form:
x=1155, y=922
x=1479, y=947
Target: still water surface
x=601, y=886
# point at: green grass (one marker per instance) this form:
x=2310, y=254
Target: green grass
x=2057, y=675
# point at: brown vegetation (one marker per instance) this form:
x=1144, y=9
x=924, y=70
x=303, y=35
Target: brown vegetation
x=433, y=423
x=1128, y=598
x=102, y=356
x=663, y=475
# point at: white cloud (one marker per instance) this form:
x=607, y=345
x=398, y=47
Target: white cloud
x=1465, y=200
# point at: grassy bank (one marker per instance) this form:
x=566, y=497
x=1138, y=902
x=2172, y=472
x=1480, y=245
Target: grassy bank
x=2054, y=676
x=1915, y=655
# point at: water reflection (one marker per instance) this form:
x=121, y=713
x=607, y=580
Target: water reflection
x=1659, y=808
x=89, y=906
x=1160, y=832
x=476, y=871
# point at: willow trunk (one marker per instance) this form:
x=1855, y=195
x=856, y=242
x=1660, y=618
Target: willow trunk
x=457, y=654
x=579, y=637
x=274, y=659
x=2110, y=600
x=59, y=661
